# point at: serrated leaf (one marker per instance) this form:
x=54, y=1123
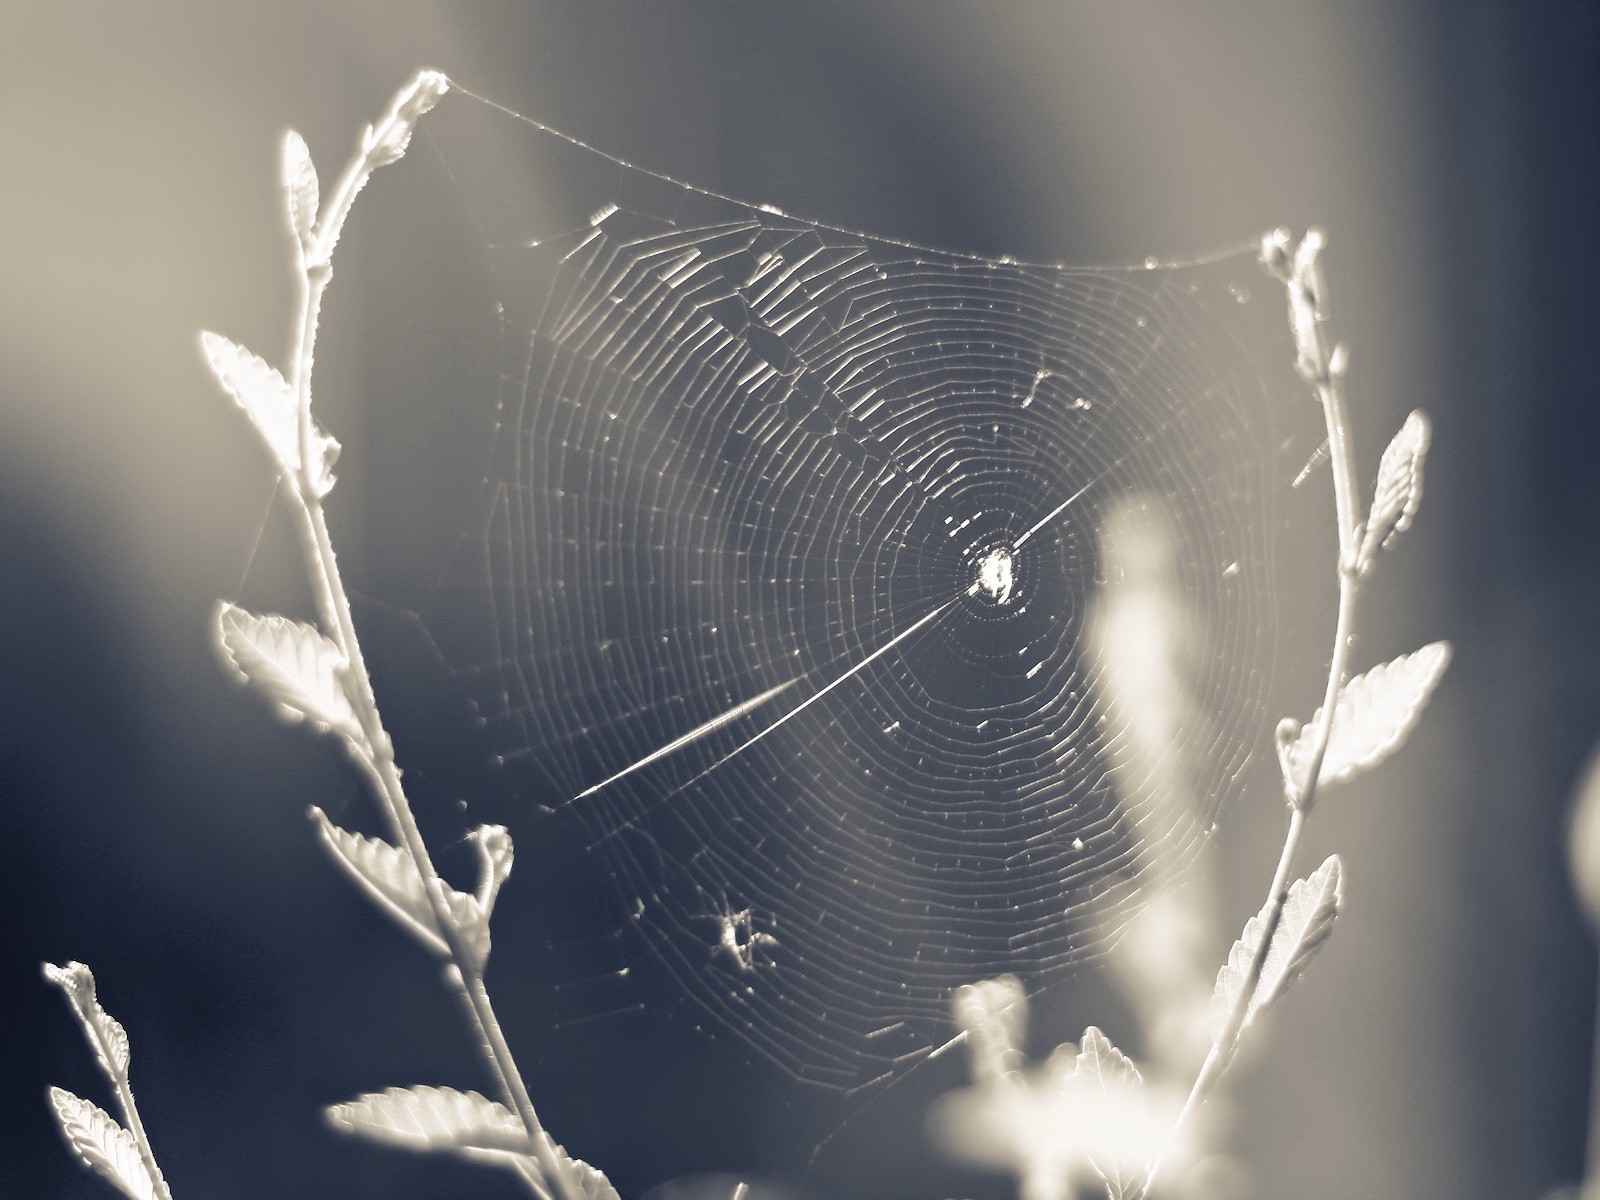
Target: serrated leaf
x=1374, y=714
x=432, y=1118
x=102, y=1145
x=591, y=1181
x=393, y=134
x=495, y=852
x=302, y=671
x=382, y=144
x=104, y=1032
x=1103, y=1064
x=1231, y=978
x=299, y=187
x=1399, y=487
x=387, y=874
x=1309, y=911
x=264, y=394
x=390, y=877
x=1099, y=1060
x=116, y=1043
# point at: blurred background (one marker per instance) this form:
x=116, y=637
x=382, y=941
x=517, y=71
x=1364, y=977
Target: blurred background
x=151, y=817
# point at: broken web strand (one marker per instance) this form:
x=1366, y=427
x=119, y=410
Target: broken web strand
x=371, y=750
x=670, y=532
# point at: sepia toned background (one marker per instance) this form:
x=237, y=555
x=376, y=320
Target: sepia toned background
x=151, y=816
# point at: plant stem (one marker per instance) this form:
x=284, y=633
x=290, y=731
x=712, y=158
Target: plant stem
x=333, y=606
x=1326, y=375
x=130, y=1117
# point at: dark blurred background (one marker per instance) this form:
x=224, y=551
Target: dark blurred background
x=153, y=816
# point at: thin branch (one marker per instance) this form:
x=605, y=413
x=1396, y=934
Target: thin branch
x=130, y=1117
x=109, y=1043
x=314, y=263
x=1323, y=366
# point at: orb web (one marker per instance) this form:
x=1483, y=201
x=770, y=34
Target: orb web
x=777, y=576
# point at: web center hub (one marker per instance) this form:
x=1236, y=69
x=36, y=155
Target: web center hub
x=995, y=574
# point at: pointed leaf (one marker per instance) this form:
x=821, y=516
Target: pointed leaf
x=102, y=1144
x=1231, y=978
x=393, y=134
x=1374, y=714
x=381, y=144
x=299, y=187
x=265, y=396
x=1101, y=1063
x=293, y=664
x=431, y=1118
x=389, y=877
x=591, y=1181
x=1399, y=488
x=105, y=1033
x=115, y=1040
x=495, y=854
x=1099, y=1060
x=1308, y=915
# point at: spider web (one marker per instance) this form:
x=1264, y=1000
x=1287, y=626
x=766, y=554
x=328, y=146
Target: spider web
x=776, y=574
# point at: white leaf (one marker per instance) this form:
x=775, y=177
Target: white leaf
x=105, y=1032
x=102, y=1144
x=496, y=853
x=394, y=132
x=1374, y=714
x=591, y=1181
x=390, y=877
x=265, y=396
x=116, y=1043
x=1098, y=1059
x=299, y=187
x=1308, y=915
x=1102, y=1064
x=383, y=143
x=387, y=874
x=1399, y=487
x=430, y=1118
x=294, y=664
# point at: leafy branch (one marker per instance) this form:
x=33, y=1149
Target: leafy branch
x=1361, y=720
x=118, y=1152
x=318, y=674
x=1086, y=1116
